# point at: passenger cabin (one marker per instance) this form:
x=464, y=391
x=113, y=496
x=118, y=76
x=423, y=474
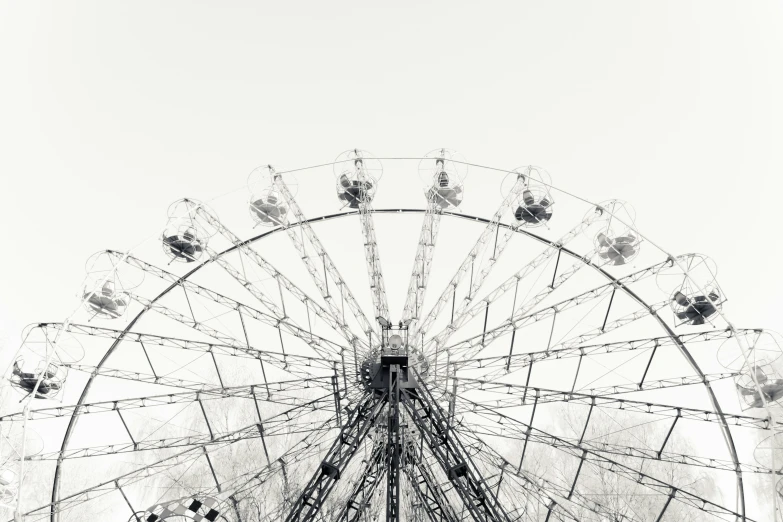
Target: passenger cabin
x=353, y=192
x=268, y=210
x=617, y=250
x=52, y=377
x=533, y=209
x=445, y=193
x=106, y=302
x=772, y=389
x=184, y=246
x=695, y=309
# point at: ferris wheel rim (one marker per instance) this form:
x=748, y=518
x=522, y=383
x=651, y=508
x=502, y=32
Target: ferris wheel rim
x=728, y=439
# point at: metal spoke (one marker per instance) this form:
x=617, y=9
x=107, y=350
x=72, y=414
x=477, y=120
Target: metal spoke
x=319, y=344
x=673, y=382
x=473, y=345
x=519, y=395
x=162, y=380
x=275, y=392
x=465, y=312
x=546, y=492
x=422, y=263
x=328, y=266
x=371, y=253
x=523, y=360
x=489, y=238
x=290, y=362
x=132, y=477
x=596, y=458
x=287, y=284
x=202, y=440
x=626, y=451
x=285, y=423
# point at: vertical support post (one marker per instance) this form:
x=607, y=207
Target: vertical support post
x=578, y=367
x=144, y=349
x=217, y=369
x=557, y=264
x=552, y=330
x=603, y=326
x=206, y=419
x=576, y=476
x=669, y=433
x=126, y=427
x=527, y=382
x=649, y=362
x=486, y=317
x=393, y=447
x=665, y=506
x=587, y=420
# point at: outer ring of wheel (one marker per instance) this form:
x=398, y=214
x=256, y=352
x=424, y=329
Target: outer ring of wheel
x=680, y=345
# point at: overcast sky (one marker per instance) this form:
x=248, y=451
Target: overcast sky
x=110, y=111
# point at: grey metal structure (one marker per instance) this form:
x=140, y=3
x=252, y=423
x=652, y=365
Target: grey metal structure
x=527, y=390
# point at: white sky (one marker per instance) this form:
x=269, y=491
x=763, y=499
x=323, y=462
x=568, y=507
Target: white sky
x=110, y=111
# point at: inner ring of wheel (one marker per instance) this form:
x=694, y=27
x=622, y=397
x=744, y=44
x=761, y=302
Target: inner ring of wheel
x=669, y=332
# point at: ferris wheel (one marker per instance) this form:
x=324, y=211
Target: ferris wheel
x=537, y=360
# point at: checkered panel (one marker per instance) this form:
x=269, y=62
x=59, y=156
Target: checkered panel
x=198, y=510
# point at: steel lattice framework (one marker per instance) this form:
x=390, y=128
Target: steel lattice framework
x=545, y=377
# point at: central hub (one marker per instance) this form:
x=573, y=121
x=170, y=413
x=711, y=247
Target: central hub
x=394, y=351
x=380, y=373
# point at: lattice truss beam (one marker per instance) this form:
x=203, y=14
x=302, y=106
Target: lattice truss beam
x=276, y=319
x=606, y=458
x=326, y=270
x=422, y=264
x=371, y=252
